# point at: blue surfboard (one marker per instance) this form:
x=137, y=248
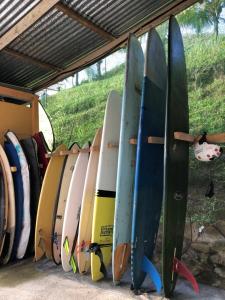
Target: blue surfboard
x=148, y=189
x=18, y=187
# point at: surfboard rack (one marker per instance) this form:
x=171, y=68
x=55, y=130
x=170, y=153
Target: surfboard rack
x=13, y=169
x=113, y=145
x=73, y=151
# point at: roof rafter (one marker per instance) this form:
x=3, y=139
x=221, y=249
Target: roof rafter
x=162, y=15
x=85, y=22
x=32, y=60
x=29, y=19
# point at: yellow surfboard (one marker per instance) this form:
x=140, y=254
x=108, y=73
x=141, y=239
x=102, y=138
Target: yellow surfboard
x=103, y=215
x=48, y=197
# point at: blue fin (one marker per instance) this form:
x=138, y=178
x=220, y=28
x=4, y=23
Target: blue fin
x=150, y=269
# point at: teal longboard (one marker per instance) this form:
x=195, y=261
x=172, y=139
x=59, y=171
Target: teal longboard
x=175, y=163
x=131, y=104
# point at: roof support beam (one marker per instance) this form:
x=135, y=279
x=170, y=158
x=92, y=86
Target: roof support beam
x=83, y=21
x=162, y=15
x=31, y=60
x=29, y=19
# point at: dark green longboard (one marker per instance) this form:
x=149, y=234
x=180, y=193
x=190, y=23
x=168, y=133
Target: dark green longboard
x=176, y=158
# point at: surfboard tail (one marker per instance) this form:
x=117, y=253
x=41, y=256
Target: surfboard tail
x=150, y=269
x=121, y=257
x=181, y=269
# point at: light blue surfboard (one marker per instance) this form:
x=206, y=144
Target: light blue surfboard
x=127, y=152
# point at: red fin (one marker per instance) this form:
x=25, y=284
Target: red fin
x=183, y=271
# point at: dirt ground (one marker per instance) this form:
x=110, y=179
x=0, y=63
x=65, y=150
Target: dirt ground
x=42, y=280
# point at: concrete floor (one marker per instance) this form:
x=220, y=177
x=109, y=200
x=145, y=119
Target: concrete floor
x=43, y=280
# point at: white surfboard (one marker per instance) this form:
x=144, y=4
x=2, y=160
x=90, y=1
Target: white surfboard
x=25, y=233
x=62, y=197
x=86, y=215
x=11, y=220
x=72, y=211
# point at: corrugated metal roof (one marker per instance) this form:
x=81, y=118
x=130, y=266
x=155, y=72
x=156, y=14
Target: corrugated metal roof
x=12, y=11
x=46, y=50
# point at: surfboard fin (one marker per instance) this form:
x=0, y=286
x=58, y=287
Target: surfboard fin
x=66, y=246
x=181, y=269
x=150, y=269
x=73, y=264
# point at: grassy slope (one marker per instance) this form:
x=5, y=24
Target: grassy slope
x=77, y=112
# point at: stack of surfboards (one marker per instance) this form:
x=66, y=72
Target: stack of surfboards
x=102, y=203
x=20, y=185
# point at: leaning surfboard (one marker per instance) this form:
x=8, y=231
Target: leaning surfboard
x=25, y=233
x=48, y=196
x=72, y=211
x=148, y=189
x=3, y=206
x=103, y=215
x=86, y=214
x=62, y=194
x=131, y=104
x=10, y=229
x=13, y=159
x=175, y=162
x=30, y=150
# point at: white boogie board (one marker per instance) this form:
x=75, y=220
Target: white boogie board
x=72, y=211
x=25, y=233
x=61, y=204
x=86, y=215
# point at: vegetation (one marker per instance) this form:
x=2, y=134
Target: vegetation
x=76, y=113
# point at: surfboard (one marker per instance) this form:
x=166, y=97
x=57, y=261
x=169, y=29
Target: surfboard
x=176, y=158
x=104, y=204
x=18, y=190
x=42, y=151
x=45, y=126
x=86, y=215
x=11, y=219
x=131, y=103
x=29, y=147
x=72, y=211
x=148, y=189
x=3, y=207
x=61, y=202
x=25, y=232
x=45, y=213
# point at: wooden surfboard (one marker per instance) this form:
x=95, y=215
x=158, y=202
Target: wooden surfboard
x=25, y=232
x=72, y=211
x=148, y=188
x=61, y=203
x=131, y=103
x=13, y=159
x=86, y=215
x=176, y=158
x=10, y=228
x=3, y=206
x=48, y=196
x=103, y=215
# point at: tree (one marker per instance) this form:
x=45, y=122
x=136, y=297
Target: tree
x=202, y=15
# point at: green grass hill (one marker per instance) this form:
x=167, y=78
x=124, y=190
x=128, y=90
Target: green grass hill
x=76, y=113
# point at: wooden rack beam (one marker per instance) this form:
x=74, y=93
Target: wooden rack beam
x=83, y=21
x=29, y=19
x=33, y=61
